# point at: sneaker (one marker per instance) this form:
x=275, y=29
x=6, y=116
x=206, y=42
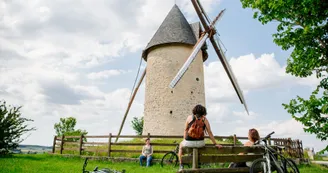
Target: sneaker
x=181, y=167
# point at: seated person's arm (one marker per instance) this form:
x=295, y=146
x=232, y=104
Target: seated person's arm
x=186, y=128
x=142, y=151
x=247, y=144
x=151, y=151
x=209, y=131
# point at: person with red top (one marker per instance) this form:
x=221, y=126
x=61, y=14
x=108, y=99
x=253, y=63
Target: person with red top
x=195, y=127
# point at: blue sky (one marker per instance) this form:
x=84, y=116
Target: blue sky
x=80, y=58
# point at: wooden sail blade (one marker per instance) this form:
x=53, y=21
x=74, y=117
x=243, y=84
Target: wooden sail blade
x=200, y=12
x=208, y=20
x=190, y=59
x=229, y=72
x=217, y=18
x=130, y=103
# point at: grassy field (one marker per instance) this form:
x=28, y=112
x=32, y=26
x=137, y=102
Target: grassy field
x=50, y=163
x=37, y=163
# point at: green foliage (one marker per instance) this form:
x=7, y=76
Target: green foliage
x=302, y=27
x=66, y=127
x=12, y=127
x=230, y=140
x=318, y=157
x=312, y=118
x=137, y=125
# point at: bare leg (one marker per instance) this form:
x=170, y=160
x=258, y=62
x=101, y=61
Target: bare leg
x=180, y=153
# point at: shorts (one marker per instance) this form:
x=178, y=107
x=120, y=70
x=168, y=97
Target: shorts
x=193, y=144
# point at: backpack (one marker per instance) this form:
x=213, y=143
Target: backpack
x=196, y=130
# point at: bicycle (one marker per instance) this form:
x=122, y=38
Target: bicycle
x=105, y=170
x=171, y=158
x=271, y=162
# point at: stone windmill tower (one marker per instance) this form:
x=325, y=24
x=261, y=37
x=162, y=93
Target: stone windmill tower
x=177, y=51
x=166, y=109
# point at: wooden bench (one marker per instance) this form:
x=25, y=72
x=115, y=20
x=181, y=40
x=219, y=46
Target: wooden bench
x=211, y=154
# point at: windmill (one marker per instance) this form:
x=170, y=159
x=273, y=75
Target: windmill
x=209, y=33
x=166, y=108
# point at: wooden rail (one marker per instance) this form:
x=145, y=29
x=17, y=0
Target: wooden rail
x=80, y=144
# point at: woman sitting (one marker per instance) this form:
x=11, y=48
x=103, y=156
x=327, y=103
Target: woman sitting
x=195, y=127
x=253, y=136
x=146, y=153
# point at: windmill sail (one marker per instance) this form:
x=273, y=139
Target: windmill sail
x=229, y=71
x=204, y=13
x=205, y=22
x=190, y=59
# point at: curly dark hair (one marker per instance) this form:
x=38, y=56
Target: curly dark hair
x=199, y=110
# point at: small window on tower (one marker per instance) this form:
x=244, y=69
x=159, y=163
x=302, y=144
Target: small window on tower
x=197, y=79
x=171, y=112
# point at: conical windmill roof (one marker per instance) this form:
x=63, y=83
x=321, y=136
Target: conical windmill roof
x=174, y=29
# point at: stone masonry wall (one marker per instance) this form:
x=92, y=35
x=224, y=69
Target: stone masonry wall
x=166, y=109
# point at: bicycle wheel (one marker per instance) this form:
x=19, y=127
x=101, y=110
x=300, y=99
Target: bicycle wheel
x=170, y=159
x=260, y=165
x=290, y=166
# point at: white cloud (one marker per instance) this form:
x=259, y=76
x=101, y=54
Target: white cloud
x=283, y=129
x=105, y=74
x=52, y=52
x=243, y=115
x=252, y=74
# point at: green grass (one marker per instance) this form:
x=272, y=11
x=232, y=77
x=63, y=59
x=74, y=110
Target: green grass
x=313, y=168
x=37, y=163
x=50, y=163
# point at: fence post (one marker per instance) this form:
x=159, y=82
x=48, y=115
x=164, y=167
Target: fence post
x=62, y=144
x=81, y=143
x=269, y=140
x=148, y=135
x=195, y=158
x=109, y=143
x=299, y=154
x=234, y=139
x=301, y=149
x=54, y=144
x=289, y=146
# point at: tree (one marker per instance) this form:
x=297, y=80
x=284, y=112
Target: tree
x=303, y=27
x=12, y=127
x=66, y=127
x=137, y=125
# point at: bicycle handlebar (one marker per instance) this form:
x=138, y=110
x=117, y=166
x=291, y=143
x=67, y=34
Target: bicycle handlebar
x=269, y=135
x=265, y=138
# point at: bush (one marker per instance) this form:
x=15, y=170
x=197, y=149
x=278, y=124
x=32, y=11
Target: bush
x=12, y=127
x=66, y=127
x=137, y=125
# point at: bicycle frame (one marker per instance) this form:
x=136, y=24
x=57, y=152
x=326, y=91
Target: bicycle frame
x=269, y=156
x=176, y=150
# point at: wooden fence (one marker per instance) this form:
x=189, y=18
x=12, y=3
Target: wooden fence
x=81, y=144
x=294, y=148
